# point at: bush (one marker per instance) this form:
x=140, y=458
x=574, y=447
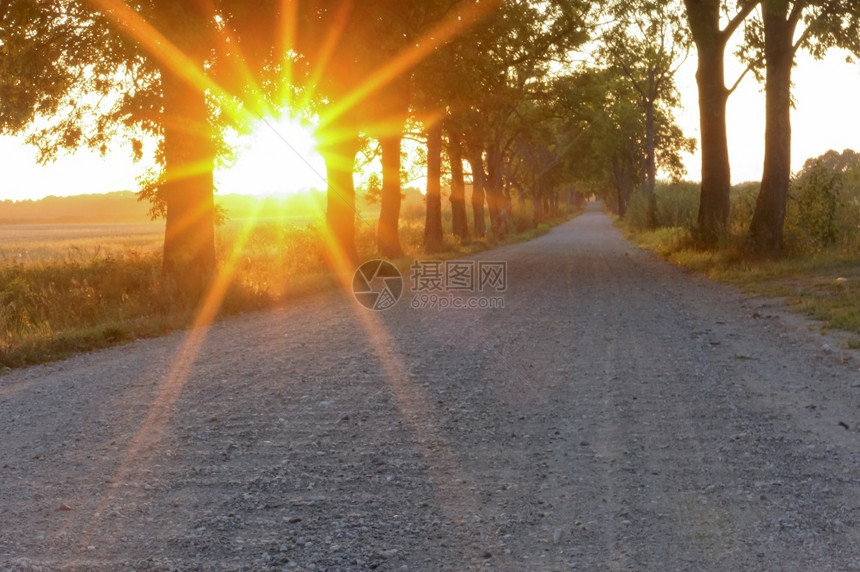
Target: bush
x=811, y=218
x=637, y=212
x=743, y=198
x=521, y=220
x=848, y=213
x=678, y=204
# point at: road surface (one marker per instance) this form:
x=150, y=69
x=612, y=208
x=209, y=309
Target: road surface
x=616, y=414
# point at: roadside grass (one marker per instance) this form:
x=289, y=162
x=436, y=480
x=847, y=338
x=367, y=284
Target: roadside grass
x=60, y=297
x=823, y=283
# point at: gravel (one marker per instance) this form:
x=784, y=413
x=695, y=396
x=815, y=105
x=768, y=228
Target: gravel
x=617, y=413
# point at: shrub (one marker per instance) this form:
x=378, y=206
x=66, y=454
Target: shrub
x=521, y=220
x=637, y=212
x=848, y=213
x=812, y=212
x=678, y=204
x=743, y=198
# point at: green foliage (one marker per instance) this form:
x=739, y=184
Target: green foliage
x=824, y=207
x=677, y=204
x=637, y=218
x=812, y=221
x=644, y=48
x=823, y=225
x=823, y=211
x=32, y=76
x=372, y=188
x=742, y=199
x=823, y=26
x=607, y=126
x=522, y=220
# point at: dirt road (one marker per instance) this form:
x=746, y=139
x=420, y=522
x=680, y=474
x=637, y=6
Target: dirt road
x=616, y=414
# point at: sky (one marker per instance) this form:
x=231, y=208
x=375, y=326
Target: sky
x=826, y=117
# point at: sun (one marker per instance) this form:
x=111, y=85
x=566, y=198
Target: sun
x=278, y=157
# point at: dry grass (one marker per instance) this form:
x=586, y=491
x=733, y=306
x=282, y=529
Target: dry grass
x=809, y=282
x=70, y=288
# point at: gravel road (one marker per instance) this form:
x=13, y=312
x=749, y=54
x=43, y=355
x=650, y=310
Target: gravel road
x=617, y=414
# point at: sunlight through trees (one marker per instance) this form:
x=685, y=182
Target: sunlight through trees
x=522, y=106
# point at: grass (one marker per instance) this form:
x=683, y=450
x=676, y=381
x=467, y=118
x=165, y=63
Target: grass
x=808, y=281
x=821, y=246
x=72, y=288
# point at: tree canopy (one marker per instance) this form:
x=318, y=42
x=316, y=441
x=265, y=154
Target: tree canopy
x=497, y=87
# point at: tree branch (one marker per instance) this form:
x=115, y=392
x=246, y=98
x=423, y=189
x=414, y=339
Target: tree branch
x=794, y=19
x=735, y=22
x=750, y=66
x=626, y=69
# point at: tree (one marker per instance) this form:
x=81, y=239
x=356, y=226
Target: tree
x=607, y=129
x=146, y=66
x=333, y=60
x=433, y=222
x=33, y=38
x=646, y=44
x=475, y=158
x=353, y=52
x=533, y=166
x=459, y=220
x=438, y=92
x=512, y=57
x=705, y=18
x=187, y=184
x=773, y=41
x=388, y=110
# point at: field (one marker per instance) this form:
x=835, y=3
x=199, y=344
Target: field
x=73, y=287
x=38, y=243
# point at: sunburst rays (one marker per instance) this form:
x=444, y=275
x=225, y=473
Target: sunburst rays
x=250, y=106
x=460, y=20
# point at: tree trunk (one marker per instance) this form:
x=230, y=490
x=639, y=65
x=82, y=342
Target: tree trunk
x=388, y=240
x=458, y=188
x=189, y=159
x=507, y=200
x=476, y=161
x=710, y=43
x=547, y=204
x=621, y=172
x=651, y=162
x=433, y=222
x=339, y=160
x=766, y=228
x=537, y=204
x=716, y=171
x=495, y=201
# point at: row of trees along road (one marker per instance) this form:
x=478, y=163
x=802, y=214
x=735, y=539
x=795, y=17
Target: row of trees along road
x=537, y=98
